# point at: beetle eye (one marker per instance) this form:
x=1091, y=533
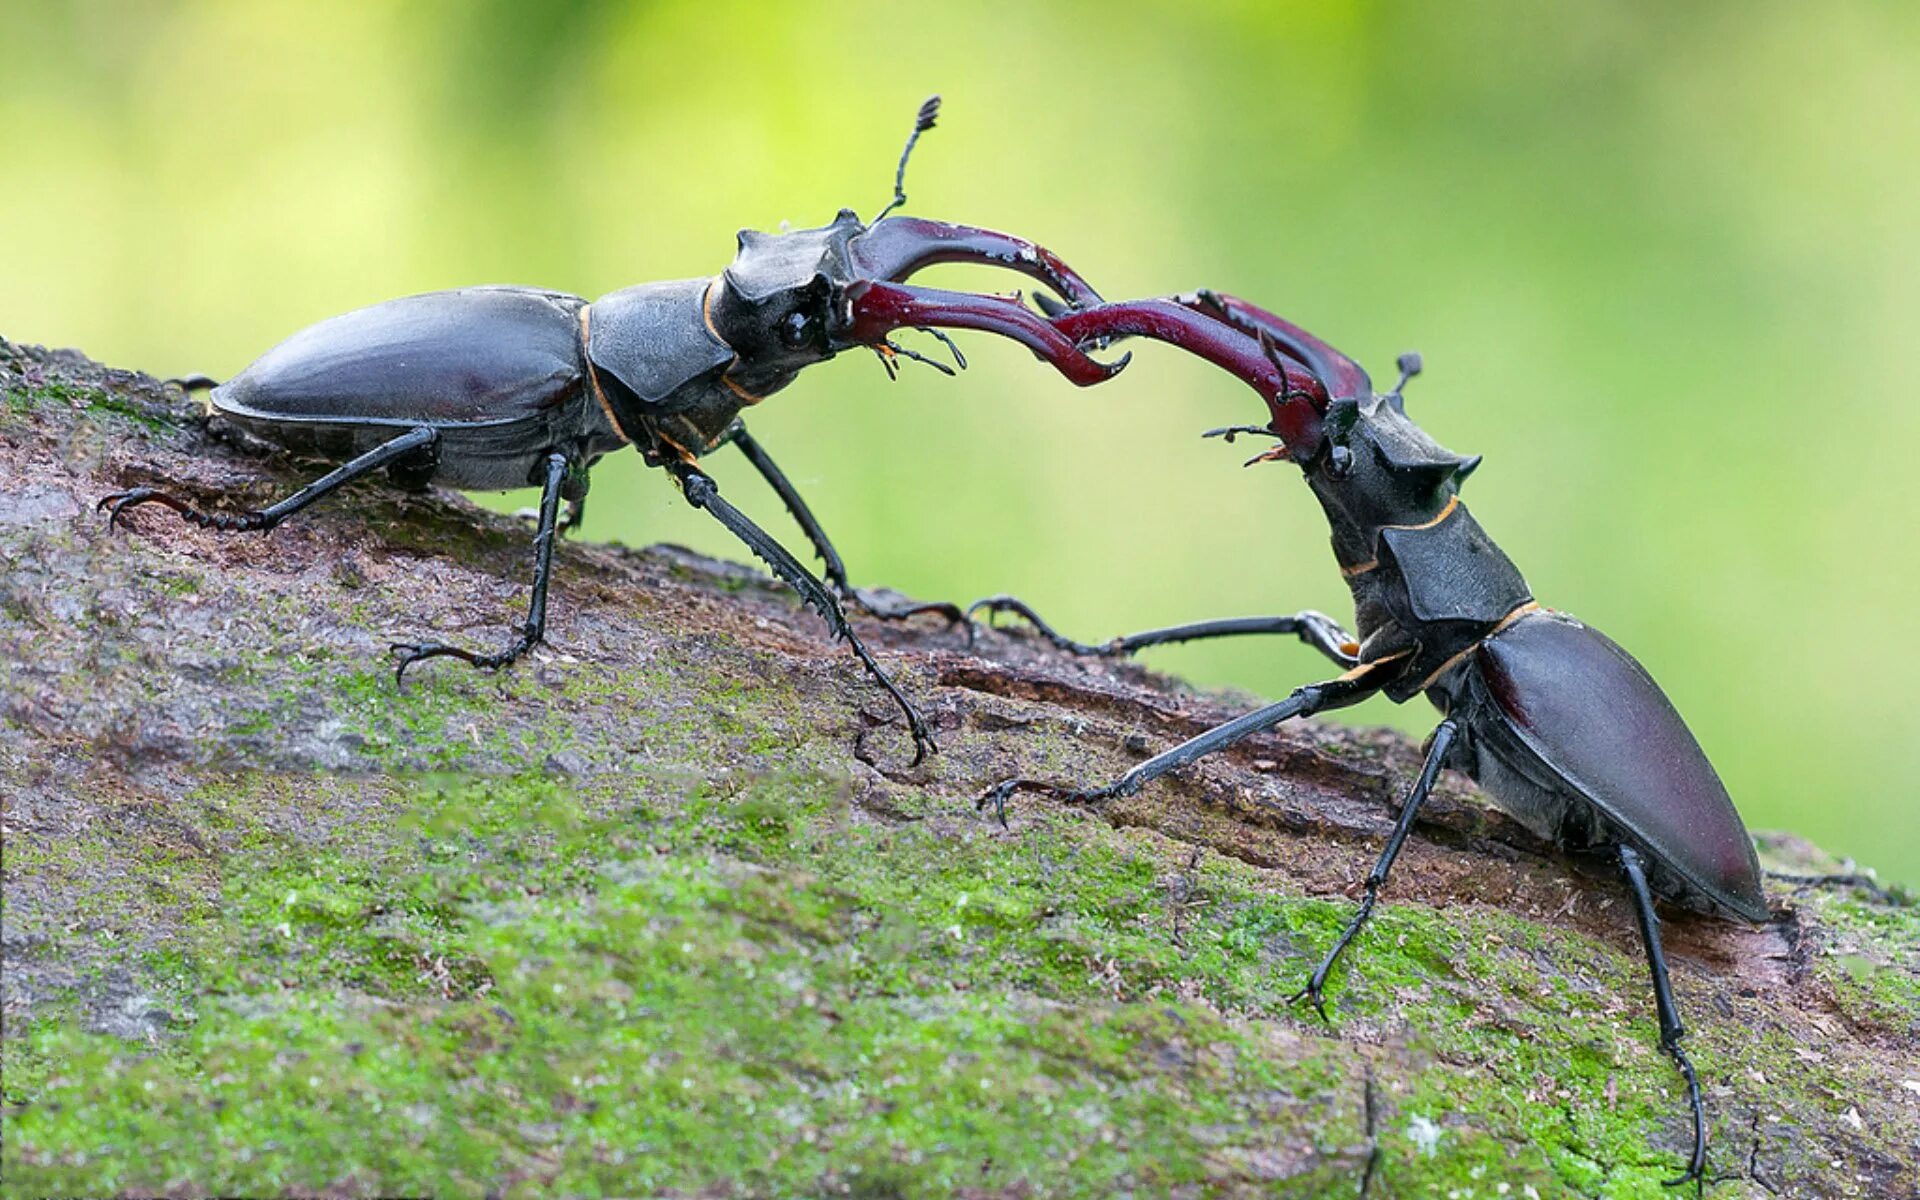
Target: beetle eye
x=1340, y=462
x=797, y=329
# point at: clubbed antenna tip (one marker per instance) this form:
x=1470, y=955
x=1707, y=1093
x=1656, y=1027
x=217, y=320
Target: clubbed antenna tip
x=922, y=121
x=1410, y=364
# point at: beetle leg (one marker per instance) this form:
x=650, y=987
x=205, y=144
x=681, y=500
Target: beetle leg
x=574, y=492
x=704, y=494
x=558, y=468
x=1318, y=630
x=1437, y=748
x=1671, y=1030
x=1848, y=880
x=1351, y=688
x=834, y=569
x=414, y=443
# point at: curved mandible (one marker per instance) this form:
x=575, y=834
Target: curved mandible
x=1340, y=377
x=875, y=309
x=1296, y=399
x=894, y=248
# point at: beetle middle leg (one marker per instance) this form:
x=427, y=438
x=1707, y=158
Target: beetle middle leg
x=1437, y=748
x=415, y=446
x=1351, y=688
x=704, y=494
x=559, y=469
x=575, y=494
x=833, y=568
x=1671, y=1030
x=1316, y=629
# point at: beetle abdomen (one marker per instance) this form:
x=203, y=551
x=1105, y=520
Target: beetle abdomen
x=477, y=356
x=1598, y=723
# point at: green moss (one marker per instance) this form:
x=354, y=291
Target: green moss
x=636, y=984
x=1870, y=959
x=181, y=584
x=84, y=396
x=721, y=979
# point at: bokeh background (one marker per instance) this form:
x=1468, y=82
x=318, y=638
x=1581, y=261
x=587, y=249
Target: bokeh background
x=1662, y=259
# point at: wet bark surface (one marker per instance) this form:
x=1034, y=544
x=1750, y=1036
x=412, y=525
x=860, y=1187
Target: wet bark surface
x=191, y=719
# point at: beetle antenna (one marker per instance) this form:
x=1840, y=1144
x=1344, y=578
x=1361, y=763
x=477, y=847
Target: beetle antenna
x=888, y=350
x=929, y=109
x=916, y=356
x=959, y=359
x=1410, y=364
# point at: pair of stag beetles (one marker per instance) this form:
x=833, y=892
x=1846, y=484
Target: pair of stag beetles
x=503, y=387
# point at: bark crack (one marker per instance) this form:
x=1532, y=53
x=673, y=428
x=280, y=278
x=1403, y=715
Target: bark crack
x=1370, y=1101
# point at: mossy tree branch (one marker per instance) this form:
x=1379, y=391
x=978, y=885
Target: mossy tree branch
x=664, y=910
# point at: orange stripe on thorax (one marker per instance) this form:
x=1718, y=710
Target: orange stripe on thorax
x=593, y=376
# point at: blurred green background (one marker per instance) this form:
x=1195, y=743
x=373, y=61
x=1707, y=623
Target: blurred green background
x=1661, y=260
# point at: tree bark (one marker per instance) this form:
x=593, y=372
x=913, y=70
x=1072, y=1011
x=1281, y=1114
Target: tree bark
x=664, y=909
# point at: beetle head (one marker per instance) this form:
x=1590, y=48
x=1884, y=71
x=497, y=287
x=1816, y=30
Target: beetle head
x=775, y=304
x=795, y=298
x=1378, y=468
x=1366, y=444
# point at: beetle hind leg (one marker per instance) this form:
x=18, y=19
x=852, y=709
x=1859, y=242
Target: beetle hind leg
x=413, y=447
x=558, y=469
x=1892, y=897
x=241, y=522
x=1671, y=1030
x=413, y=652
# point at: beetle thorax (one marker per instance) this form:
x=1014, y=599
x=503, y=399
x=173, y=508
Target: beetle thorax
x=1379, y=470
x=1426, y=580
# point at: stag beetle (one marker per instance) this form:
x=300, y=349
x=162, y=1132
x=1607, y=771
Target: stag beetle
x=493, y=388
x=1563, y=728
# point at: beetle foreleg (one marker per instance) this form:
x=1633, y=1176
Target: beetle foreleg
x=558, y=469
x=1318, y=630
x=1422, y=787
x=1350, y=688
x=835, y=570
x=704, y=494
x=419, y=441
x=1671, y=1030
